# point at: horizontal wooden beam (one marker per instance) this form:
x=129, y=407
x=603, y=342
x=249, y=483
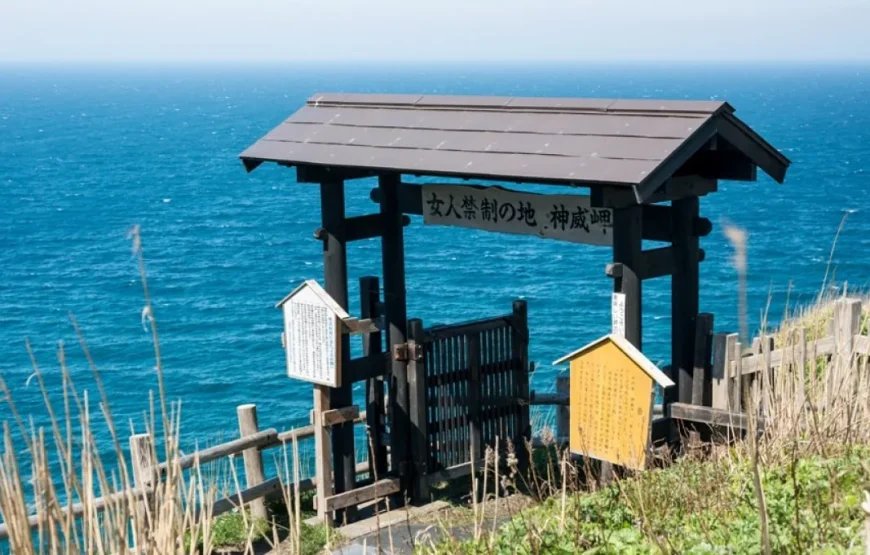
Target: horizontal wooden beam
x=78, y=509
x=674, y=188
x=359, y=228
x=244, y=497
x=356, y=325
x=368, y=367
x=560, y=399
x=453, y=472
x=340, y=416
x=260, y=439
x=654, y=263
x=377, y=490
x=319, y=174
x=656, y=219
x=657, y=224
x=710, y=416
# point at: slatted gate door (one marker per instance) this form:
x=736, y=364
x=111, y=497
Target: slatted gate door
x=476, y=390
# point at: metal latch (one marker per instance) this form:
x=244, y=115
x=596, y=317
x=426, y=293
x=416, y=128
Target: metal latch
x=408, y=351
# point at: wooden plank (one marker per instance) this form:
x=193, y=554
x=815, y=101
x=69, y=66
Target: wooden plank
x=360, y=228
x=544, y=398
x=456, y=471
x=334, y=417
x=657, y=224
x=97, y=505
x=333, y=221
x=250, y=496
x=752, y=363
x=396, y=322
x=710, y=416
x=684, y=299
x=377, y=490
x=368, y=367
x=659, y=262
x=259, y=440
x=254, y=474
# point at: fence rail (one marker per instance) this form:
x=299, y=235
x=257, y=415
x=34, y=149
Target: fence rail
x=258, y=441
x=735, y=367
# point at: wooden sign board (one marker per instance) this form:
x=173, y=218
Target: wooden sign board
x=313, y=326
x=563, y=217
x=611, y=401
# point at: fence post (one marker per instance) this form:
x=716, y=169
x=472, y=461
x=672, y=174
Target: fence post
x=144, y=472
x=254, y=474
x=563, y=414
x=847, y=322
x=417, y=397
x=520, y=354
x=322, y=453
x=723, y=354
x=474, y=397
x=369, y=291
x=701, y=382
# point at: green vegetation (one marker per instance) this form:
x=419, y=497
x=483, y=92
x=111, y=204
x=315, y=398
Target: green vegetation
x=695, y=506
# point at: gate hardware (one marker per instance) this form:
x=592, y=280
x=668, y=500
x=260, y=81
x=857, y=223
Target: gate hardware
x=407, y=352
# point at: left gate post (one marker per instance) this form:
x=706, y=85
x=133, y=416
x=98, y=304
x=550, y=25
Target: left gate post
x=395, y=324
x=335, y=276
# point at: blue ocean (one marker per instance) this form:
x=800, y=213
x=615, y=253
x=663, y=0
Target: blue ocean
x=88, y=152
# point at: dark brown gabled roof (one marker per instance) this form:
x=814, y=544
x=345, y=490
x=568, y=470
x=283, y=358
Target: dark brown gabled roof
x=588, y=142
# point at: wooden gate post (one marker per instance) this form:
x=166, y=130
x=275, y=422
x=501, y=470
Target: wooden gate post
x=520, y=354
x=395, y=323
x=684, y=298
x=335, y=276
x=254, y=474
x=369, y=290
x=417, y=395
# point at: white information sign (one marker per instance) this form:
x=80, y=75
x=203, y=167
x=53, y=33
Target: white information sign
x=617, y=314
x=564, y=217
x=312, y=335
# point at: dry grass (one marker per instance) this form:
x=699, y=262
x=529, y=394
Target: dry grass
x=58, y=495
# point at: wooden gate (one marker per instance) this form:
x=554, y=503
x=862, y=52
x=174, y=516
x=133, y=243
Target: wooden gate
x=476, y=389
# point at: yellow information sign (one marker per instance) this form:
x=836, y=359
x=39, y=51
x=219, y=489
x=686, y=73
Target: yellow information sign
x=611, y=401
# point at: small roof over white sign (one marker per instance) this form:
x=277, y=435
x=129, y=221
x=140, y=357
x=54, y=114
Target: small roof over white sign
x=321, y=294
x=631, y=351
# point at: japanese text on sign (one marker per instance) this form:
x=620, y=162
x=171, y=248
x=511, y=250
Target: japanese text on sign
x=564, y=217
x=313, y=339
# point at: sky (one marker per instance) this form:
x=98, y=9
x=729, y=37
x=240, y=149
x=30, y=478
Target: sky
x=424, y=30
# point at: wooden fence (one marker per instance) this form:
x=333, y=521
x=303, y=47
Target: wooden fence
x=737, y=369
x=252, y=443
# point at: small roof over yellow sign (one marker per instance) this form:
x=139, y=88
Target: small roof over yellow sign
x=630, y=350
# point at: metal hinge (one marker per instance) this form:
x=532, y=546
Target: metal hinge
x=407, y=352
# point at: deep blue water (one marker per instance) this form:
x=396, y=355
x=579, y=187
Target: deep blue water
x=87, y=152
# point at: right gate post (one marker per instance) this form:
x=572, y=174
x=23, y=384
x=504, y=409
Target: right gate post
x=520, y=354
x=417, y=406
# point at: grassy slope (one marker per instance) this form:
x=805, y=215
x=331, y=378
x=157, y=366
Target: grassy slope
x=698, y=506
x=813, y=479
